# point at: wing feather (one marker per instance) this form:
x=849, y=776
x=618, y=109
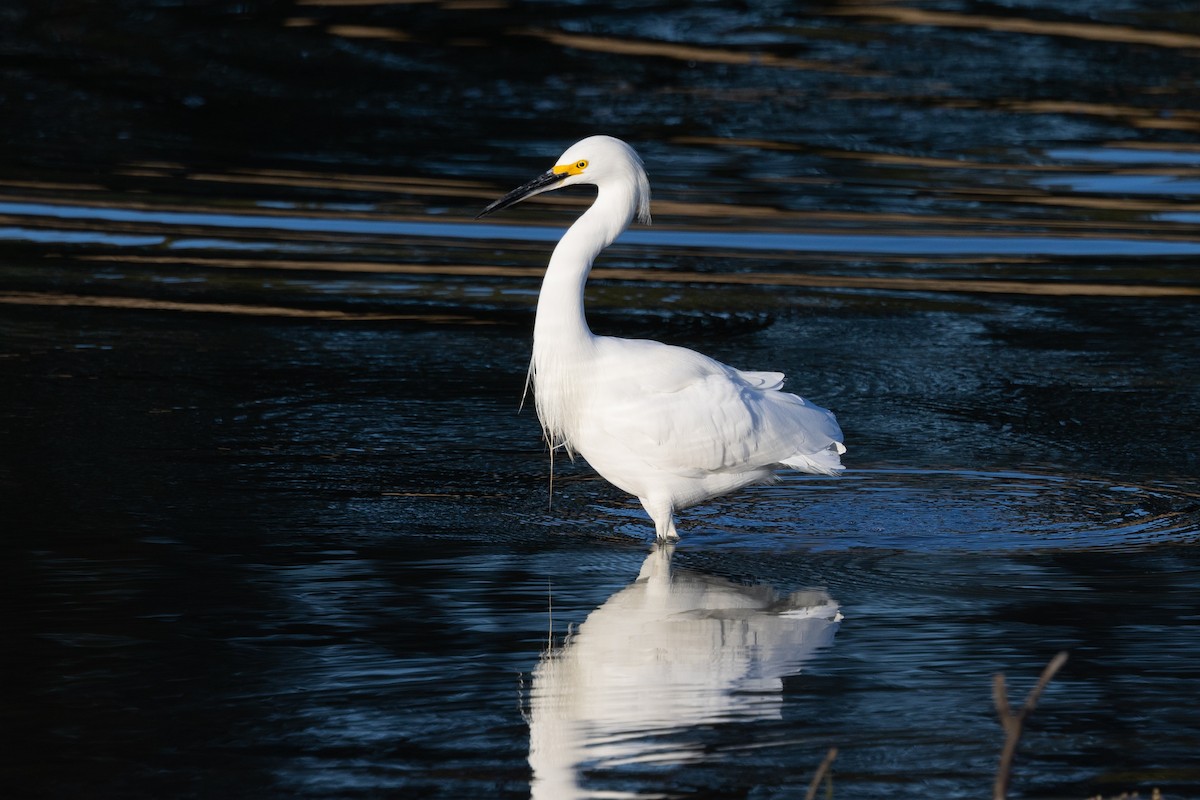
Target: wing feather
x=688, y=414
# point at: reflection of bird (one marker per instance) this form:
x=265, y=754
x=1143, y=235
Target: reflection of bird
x=664, y=423
x=672, y=651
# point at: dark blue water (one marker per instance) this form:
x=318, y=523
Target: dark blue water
x=275, y=525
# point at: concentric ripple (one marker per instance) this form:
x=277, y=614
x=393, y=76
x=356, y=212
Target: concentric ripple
x=950, y=510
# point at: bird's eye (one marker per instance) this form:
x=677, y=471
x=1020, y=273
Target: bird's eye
x=581, y=164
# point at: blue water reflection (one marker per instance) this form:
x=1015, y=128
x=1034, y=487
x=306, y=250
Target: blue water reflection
x=966, y=243
x=1118, y=155
x=1122, y=184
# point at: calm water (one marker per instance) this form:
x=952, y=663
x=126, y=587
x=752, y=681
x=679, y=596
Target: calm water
x=274, y=527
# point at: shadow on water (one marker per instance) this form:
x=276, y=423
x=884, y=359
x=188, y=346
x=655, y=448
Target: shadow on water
x=274, y=525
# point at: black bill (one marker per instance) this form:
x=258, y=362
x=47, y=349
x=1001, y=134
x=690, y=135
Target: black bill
x=541, y=183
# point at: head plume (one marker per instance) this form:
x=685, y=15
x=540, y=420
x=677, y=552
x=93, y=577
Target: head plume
x=604, y=159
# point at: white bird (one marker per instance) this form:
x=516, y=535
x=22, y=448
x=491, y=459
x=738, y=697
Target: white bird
x=666, y=424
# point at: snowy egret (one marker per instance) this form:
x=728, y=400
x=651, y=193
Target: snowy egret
x=666, y=424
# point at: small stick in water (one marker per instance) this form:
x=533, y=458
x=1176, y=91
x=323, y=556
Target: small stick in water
x=1012, y=722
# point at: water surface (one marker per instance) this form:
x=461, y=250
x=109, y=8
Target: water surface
x=276, y=526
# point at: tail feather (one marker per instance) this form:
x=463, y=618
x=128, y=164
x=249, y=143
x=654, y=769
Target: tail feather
x=822, y=462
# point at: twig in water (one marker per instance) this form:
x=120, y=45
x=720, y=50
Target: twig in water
x=1012, y=722
x=821, y=770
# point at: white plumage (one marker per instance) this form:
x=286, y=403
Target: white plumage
x=669, y=425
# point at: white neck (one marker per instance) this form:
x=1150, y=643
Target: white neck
x=560, y=313
x=562, y=341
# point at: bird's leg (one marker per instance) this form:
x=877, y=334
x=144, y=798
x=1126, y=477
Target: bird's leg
x=664, y=518
x=671, y=534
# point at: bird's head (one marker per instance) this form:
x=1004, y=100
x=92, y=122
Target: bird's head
x=602, y=161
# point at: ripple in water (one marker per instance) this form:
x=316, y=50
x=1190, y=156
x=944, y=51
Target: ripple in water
x=946, y=511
